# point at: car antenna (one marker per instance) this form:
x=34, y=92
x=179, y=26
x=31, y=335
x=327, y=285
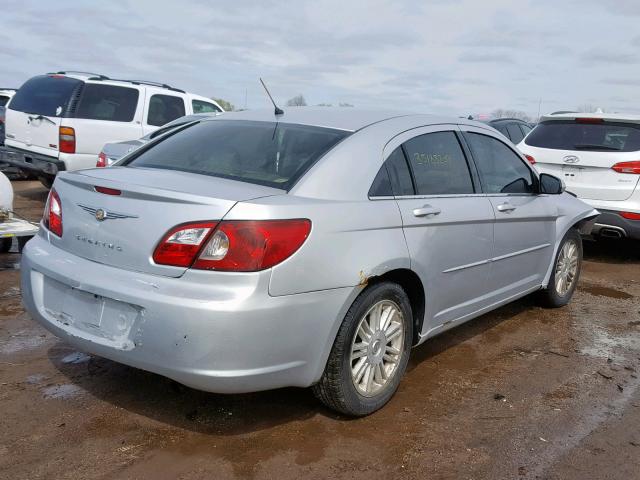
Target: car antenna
x=278, y=110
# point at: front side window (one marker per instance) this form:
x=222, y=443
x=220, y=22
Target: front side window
x=267, y=153
x=163, y=109
x=439, y=165
x=107, y=102
x=204, y=107
x=500, y=168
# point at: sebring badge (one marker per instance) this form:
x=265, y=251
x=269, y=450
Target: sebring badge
x=571, y=159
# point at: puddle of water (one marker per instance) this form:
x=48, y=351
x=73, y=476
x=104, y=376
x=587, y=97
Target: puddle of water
x=21, y=341
x=76, y=357
x=599, y=291
x=603, y=344
x=63, y=391
x=36, y=378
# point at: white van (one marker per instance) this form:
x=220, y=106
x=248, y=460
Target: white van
x=60, y=121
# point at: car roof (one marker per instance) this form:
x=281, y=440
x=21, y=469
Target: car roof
x=507, y=120
x=340, y=118
x=615, y=117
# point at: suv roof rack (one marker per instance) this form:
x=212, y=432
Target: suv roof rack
x=94, y=76
x=140, y=82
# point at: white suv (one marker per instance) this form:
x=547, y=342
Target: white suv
x=598, y=156
x=60, y=121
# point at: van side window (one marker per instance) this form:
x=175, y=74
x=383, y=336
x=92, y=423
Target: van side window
x=439, y=165
x=164, y=109
x=107, y=102
x=200, y=106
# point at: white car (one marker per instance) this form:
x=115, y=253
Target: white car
x=598, y=157
x=60, y=121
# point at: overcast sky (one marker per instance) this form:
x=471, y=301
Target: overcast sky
x=441, y=56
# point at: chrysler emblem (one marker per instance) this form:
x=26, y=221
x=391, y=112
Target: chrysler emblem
x=571, y=159
x=100, y=214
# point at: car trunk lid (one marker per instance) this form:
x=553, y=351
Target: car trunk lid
x=151, y=202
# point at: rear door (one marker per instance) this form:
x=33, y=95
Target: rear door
x=525, y=221
x=583, y=151
x=448, y=225
x=35, y=113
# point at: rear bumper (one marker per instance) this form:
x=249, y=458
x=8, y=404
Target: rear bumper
x=34, y=162
x=609, y=223
x=213, y=337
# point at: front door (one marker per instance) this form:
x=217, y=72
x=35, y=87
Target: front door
x=525, y=224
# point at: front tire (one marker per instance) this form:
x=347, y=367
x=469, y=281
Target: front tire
x=565, y=273
x=370, y=353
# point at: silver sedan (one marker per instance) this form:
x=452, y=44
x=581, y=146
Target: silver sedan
x=314, y=248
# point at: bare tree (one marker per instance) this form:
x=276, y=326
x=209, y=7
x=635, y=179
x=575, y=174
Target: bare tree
x=297, y=101
x=324, y=105
x=344, y=104
x=590, y=108
x=502, y=113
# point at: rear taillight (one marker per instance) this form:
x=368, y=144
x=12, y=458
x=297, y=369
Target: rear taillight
x=102, y=160
x=67, y=140
x=181, y=244
x=530, y=159
x=630, y=215
x=52, y=218
x=234, y=245
x=628, y=167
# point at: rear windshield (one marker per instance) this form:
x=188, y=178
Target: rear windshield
x=595, y=137
x=266, y=153
x=107, y=102
x=45, y=95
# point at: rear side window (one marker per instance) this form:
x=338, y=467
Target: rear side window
x=267, y=153
x=204, y=107
x=107, y=102
x=525, y=129
x=47, y=95
x=501, y=169
x=394, y=177
x=164, y=109
x=594, y=137
x=3, y=100
x=515, y=134
x=438, y=164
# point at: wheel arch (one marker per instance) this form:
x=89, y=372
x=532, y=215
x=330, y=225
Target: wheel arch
x=413, y=287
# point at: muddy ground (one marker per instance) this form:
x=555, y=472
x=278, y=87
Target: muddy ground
x=522, y=392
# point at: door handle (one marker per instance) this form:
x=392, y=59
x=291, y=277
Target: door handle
x=425, y=211
x=506, y=207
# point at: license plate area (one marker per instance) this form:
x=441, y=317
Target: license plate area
x=101, y=319
x=570, y=172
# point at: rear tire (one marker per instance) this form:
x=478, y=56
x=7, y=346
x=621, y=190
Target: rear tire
x=370, y=352
x=566, y=272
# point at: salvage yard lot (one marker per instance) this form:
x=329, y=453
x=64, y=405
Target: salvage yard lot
x=521, y=392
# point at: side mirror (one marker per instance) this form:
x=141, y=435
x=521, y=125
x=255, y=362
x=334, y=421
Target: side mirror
x=551, y=185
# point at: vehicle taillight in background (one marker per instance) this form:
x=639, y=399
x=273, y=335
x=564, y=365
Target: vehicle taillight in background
x=628, y=167
x=530, y=159
x=102, y=160
x=67, y=140
x=52, y=218
x=630, y=215
x=232, y=245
